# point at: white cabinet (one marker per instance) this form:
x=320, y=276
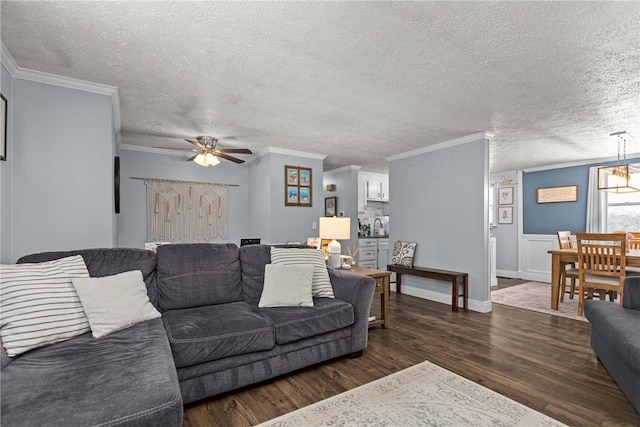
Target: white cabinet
x=373, y=253
x=376, y=186
x=362, y=193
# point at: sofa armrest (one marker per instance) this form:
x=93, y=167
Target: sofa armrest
x=357, y=290
x=632, y=292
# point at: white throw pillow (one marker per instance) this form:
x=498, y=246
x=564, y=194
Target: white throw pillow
x=321, y=286
x=38, y=304
x=287, y=286
x=403, y=253
x=115, y=302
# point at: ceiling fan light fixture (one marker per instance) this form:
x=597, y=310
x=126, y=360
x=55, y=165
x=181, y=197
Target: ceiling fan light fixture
x=206, y=159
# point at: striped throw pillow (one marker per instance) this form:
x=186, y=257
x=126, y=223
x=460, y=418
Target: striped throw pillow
x=320, y=285
x=38, y=304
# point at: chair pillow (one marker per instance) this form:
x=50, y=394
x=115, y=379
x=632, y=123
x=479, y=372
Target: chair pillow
x=403, y=253
x=287, y=286
x=115, y=302
x=39, y=305
x=321, y=284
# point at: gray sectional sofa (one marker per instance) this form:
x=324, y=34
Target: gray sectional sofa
x=212, y=338
x=615, y=337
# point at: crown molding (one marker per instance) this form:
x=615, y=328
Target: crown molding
x=18, y=72
x=286, y=151
x=633, y=158
x=440, y=146
x=344, y=169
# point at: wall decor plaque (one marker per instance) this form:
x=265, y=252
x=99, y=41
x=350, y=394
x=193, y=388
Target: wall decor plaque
x=297, y=189
x=568, y=193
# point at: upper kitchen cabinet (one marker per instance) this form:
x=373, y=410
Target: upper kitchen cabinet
x=376, y=186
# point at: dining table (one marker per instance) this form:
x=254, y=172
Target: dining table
x=560, y=256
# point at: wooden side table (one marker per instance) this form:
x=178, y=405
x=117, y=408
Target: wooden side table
x=383, y=279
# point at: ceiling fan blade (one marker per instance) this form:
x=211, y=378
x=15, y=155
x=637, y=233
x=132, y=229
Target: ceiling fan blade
x=192, y=157
x=196, y=143
x=235, y=150
x=233, y=159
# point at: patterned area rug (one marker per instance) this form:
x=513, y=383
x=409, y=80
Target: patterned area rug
x=536, y=296
x=422, y=395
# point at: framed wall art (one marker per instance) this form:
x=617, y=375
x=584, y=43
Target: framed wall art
x=3, y=128
x=505, y=215
x=298, y=186
x=330, y=205
x=568, y=193
x=505, y=195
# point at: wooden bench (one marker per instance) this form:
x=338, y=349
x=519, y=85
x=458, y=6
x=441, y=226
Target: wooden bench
x=456, y=279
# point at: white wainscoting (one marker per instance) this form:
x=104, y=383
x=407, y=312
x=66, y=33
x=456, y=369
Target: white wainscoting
x=535, y=262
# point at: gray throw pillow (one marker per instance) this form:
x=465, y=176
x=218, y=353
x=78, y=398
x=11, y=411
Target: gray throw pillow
x=115, y=302
x=287, y=286
x=321, y=286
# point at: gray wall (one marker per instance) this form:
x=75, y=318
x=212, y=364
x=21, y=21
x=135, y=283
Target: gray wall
x=6, y=87
x=132, y=229
x=62, y=169
x=507, y=234
x=439, y=199
x=346, y=181
x=282, y=223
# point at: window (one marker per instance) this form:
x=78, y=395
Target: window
x=623, y=211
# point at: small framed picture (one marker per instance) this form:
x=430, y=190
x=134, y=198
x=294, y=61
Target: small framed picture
x=305, y=177
x=505, y=195
x=3, y=127
x=305, y=196
x=291, y=175
x=505, y=215
x=330, y=204
x=292, y=195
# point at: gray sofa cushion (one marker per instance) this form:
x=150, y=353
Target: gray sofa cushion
x=296, y=323
x=213, y=332
x=198, y=274
x=127, y=378
x=253, y=258
x=107, y=262
x=618, y=327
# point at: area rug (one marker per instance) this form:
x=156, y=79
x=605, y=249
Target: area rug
x=536, y=296
x=422, y=395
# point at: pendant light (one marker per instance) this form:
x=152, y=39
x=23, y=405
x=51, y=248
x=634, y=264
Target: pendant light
x=622, y=177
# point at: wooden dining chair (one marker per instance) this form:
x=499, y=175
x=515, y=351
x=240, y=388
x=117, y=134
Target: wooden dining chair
x=601, y=263
x=568, y=270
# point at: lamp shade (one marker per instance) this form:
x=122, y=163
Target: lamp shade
x=624, y=178
x=335, y=228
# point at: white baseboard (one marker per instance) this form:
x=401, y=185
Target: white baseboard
x=536, y=277
x=474, y=305
x=508, y=273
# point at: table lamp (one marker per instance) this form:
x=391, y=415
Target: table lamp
x=335, y=228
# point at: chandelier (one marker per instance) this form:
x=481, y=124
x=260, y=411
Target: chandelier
x=622, y=177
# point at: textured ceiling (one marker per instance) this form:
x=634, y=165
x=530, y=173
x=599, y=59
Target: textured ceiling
x=357, y=81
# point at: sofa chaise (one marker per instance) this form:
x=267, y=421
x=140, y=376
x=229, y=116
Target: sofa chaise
x=212, y=338
x=615, y=337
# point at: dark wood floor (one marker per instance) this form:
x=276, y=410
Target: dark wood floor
x=542, y=361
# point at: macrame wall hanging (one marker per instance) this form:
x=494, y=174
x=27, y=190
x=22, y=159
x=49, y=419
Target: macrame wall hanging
x=186, y=211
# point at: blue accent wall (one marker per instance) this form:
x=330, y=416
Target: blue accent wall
x=549, y=218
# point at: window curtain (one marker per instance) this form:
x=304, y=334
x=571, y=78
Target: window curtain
x=596, y=205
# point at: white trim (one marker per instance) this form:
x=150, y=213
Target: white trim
x=155, y=150
x=344, y=169
x=18, y=72
x=440, y=146
x=507, y=273
x=286, y=151
x=474, y=305
x=578, y=163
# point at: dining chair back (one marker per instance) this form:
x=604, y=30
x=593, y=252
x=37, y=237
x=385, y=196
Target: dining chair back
x=634, y=243
x=601, y=264
x=568, y=270
x=564, y=240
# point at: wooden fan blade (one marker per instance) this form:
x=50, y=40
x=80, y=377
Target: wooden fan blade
x=233, y=159
x=192, y=157
x=196, y=143
x=234, y=150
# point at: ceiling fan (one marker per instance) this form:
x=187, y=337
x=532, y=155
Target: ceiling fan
x=209, y=154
